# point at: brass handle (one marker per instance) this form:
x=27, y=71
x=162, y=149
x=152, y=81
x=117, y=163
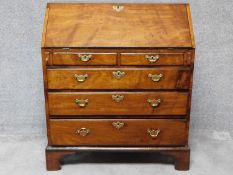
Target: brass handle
x=154, y=133
x=82, y=103
x=154, y=102
x=118, y=74
x=152, y=58
x=81, y=78
x=118, y=124
x=155, y=77
x=83, y=131
x=85, y=58
x=117, y=98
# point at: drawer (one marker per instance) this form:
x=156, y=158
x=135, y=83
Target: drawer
x=151, y=59
x=143, y=78
x=118, y=103
x=72, y=58
x=118, y=132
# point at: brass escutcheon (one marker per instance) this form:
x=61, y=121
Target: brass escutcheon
x=85, y=58
x=154, y=102
x=118, y=124
x=118, y=8
x=83, y=131
x=155, y=77
x=154, y=133
x=117, y=98
x=81, y=78
x=118, y=74
x=82, y=103
x=152, y=58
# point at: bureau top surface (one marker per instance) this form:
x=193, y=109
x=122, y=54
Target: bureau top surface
x=117, y=25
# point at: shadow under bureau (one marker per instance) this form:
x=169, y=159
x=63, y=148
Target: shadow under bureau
x=118, y=77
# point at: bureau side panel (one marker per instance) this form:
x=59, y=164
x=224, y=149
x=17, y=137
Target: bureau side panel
x=191, y=54
x=45, y=57
x=45, y=27
x=190, y=25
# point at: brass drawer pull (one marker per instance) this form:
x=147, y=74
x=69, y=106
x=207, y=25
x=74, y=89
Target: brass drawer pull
x=118, y=74
x=85, y=58
x=117, y=98
x=155, y=77
x=152, y=58
x=82, y=103
x=81, y=78
x=154, y=133
x=83, y=131
x=118, y=124
x=154, y=103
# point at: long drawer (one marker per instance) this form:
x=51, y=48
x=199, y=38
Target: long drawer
x=118, y=132
x=130, y=78
x=118, y=103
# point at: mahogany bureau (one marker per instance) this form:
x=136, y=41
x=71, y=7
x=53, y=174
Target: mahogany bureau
x=118, y=77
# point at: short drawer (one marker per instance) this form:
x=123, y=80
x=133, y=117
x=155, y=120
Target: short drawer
x=152, y=59
x=143, y=78
x=118, y=103
x=156, y=132
x=72, y=58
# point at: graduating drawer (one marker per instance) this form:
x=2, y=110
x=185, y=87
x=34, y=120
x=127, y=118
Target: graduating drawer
x=118, y=103
x=73, y=58
x=152, y=59
x=122, y=78
x=118, y=132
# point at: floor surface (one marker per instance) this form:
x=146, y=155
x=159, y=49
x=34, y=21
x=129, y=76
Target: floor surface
x=211, y=153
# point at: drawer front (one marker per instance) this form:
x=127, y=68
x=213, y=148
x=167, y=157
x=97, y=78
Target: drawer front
x=118, y=103
x=118, y=132
x=73, y=58
x=152, y=59
x=156, y=78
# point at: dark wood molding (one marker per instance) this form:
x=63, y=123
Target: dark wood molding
x=179, y=155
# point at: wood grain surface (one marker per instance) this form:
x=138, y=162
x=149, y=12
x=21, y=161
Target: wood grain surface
x=134, y=78
x=134, y=132
x=136, y=25
x=140, y=59
x=134, y=103
x=71, y=58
